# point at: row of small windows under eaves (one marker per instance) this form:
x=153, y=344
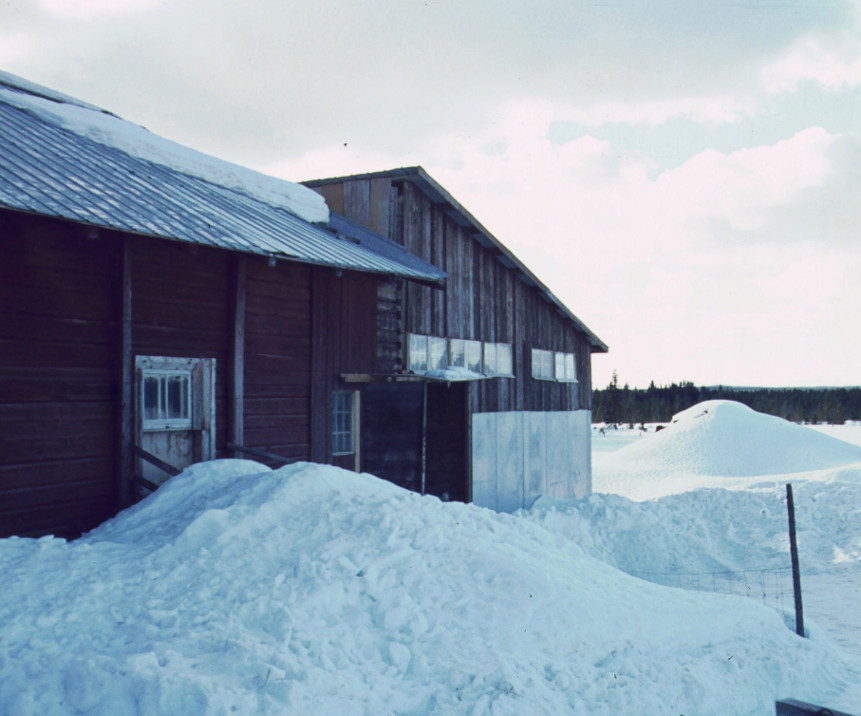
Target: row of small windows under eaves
x=426, y=354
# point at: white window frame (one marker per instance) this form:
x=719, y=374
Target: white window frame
x=417, y=352
x=507, y=350
x=437, y=353
x=542, y=364
x=492, y=363
x=163, y=422
x=473, y=355
x=569, y=368
x=457, y=353
x=345, y=423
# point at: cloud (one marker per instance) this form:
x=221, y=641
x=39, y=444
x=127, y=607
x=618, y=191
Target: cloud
x=833, y=63
x=90, y=9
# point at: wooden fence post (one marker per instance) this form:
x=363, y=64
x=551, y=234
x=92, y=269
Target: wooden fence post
x=796, y=574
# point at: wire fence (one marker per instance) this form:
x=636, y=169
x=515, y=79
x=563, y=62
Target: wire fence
x=772, y=587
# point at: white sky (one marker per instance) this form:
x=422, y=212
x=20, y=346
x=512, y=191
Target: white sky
x=684, y=174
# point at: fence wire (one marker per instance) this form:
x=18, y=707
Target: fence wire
x=773, y=587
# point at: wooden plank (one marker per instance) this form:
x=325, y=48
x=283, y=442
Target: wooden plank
x=125, y=407
x=236, y=430
x=378, y=210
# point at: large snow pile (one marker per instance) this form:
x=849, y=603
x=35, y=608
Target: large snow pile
x=720, y=438
x=237, y=589
x=109, y=130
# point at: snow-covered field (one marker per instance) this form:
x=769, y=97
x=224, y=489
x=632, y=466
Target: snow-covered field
x=310, y=590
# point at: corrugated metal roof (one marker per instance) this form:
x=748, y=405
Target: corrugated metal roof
x=48, y=170
x=464, y=218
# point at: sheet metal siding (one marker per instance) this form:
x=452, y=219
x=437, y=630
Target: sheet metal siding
x=47, y=170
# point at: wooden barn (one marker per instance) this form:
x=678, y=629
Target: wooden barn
x=481, y=392
x=159, y=302
x=161, y=307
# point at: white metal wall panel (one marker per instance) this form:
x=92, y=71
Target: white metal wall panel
x=484, y=462
x=519, y=456
x=534, y=457
x=509, y=462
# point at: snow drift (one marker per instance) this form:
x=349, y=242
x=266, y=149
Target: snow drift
x=313, y=590
x=720, y=438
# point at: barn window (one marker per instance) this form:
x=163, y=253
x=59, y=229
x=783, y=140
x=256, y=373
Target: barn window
x=566, y=367
x=497, y=359
x=473, y=355
x=166, y=400
x=437, y=358
x=542, y=364
x=344, y=404
x=457, y=353
x=417, y=349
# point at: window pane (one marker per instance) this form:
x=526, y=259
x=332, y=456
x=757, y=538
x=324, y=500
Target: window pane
x=490, y=359
x=503, y=359
x=177, y=397
x=418, y=352
x=457, y=353
x=570, y=367
x=473, y=356
x=542, y=364
x=436, y=353
x=342, y=423
x=559, y=359
x=150, y=398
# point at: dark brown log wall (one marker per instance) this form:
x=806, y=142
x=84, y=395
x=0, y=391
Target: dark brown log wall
x=344, y=341
x=181, y=307
x=59, y=370
x=278, y=358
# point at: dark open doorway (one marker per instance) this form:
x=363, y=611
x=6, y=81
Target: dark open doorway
x=415, y=435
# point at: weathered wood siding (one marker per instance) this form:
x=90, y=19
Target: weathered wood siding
x=278, y=358
x=59, y=368
x=483, y=299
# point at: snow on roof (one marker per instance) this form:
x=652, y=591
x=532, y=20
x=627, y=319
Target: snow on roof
x=309, y=589
x=73, y=161
x=111, y=131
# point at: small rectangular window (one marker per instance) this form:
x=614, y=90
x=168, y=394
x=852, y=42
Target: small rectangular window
x=457, y=353
x=343, y=423
x=437, y=358
x=504, y=363
x=542, y=364
x=559, y=366
x=473, y=355
x=166, y=399
x=570, y=368
x=418, y=353
x=490, y=367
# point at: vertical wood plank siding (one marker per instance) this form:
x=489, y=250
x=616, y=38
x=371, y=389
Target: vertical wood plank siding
x=483, y=300
x=59, y=369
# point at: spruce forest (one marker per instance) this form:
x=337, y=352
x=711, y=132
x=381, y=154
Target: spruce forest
x=658, y=404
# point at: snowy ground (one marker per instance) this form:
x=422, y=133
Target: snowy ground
x=311, y=590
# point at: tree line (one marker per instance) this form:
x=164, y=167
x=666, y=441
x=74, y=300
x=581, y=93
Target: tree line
x=658, y=404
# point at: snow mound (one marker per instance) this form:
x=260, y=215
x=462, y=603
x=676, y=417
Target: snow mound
x=110, y=130
x=238, y=589
x=722, y=443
